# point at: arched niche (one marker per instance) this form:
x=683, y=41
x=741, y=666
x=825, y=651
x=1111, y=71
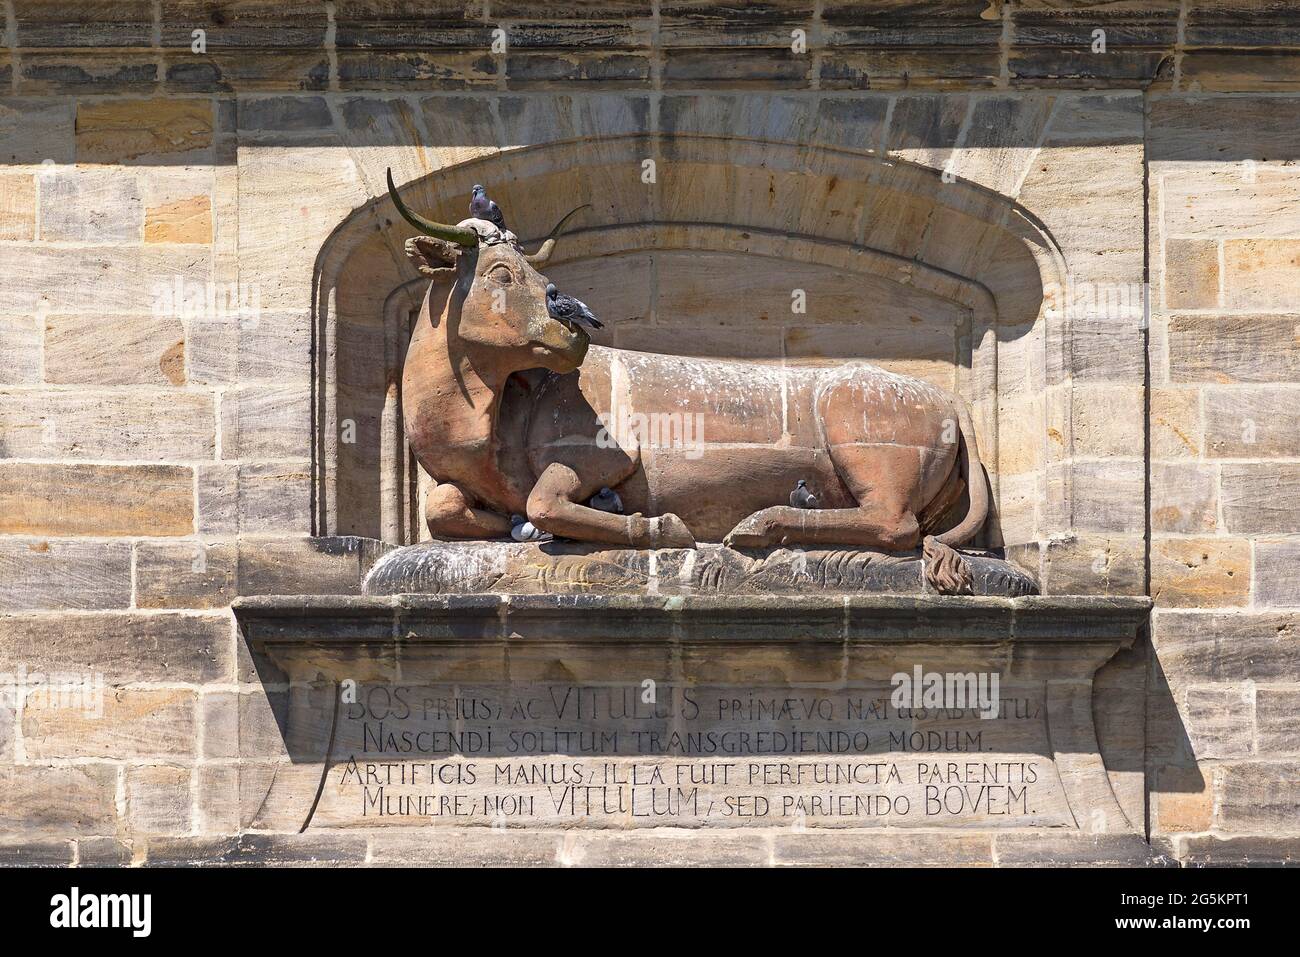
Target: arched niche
x=700, y=245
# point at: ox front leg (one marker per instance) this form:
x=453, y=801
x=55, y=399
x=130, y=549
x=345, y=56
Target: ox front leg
x=449, y=514
x=870, y=526
x=553, y=506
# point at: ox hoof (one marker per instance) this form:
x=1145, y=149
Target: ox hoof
x=946, y=571
x=669, y=531
x=756, y=531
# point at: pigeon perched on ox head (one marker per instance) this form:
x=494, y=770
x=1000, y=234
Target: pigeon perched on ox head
x=568, y=310
x=480, y=207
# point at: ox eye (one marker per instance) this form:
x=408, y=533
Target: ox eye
x=501, y=274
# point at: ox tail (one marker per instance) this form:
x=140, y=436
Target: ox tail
x=945, y=570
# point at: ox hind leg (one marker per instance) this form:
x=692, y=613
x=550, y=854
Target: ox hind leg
x=449, y=514
x=554, y=505
x=883, y=519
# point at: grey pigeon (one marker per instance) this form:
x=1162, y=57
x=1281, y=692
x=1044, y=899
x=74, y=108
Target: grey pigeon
x=801, y=497
x=522, y=530
x=480, y=207
x=607, y=500
x=569, y=310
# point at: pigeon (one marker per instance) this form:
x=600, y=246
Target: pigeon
x=607, y=500
x=480, y=207
x=522, y=530
x=801, y=497
x=569, y=310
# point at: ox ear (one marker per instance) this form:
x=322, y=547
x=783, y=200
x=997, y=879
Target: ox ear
x=435, y=258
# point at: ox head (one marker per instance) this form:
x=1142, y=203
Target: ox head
x=498, y=299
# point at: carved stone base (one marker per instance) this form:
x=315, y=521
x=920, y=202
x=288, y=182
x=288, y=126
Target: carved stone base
x=560, y=567
x=719, y=729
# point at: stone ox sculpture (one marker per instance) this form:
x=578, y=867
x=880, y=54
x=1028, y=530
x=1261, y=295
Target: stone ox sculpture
x=510, y=411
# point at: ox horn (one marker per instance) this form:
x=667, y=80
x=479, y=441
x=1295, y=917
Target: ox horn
x=544, y=252
x=461, y=236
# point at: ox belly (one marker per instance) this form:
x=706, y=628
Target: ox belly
x=719, y=440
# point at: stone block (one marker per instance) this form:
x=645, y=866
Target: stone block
x=1191, y=274
x=1220, y=720
x=1177, y=431
x=1211, y=851
x=158, y=799
x=255, y=499
x=114, y=350
x=103, y=500
x=1277, y=573
x=126, y=648
x=192, y=574
x=36, y=129
x=116, y=131
x=135, y=723
x=64, y=799
x=90, y=205
x=1197, y=647
x=42, y=574
x=162, y=426
x=20, y=350
x=1183, y=800
x=1086, y=564
x=1260, y=273
x=1261, y=498
x=1259, y=797
x=17, y=206
x=1227, y=349
x=1214, y=201
x=1183, y=498
x=1275, y=720
x=216, y=807
x=266, y=422
x=1200, y=572
x=1252, y=422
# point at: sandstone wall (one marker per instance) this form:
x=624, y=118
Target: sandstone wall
x=154, y=464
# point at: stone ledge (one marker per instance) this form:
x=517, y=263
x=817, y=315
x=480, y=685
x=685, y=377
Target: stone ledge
x=403, y=619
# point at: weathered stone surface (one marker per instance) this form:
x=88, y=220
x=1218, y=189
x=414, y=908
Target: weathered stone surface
x=1086, y=564
x=38, y=499
x=158, y=799
x=1225, y=349
x=273, y=347
x=36, y=853
x=1259, y=797
x=135, y=723
x=1200, y=572
x=20, y=350
x=143, y=130
x=305, y=566
x=266, y=422
x=17, y=206
x=1176, y=427
x=267, y=850
x=1183, y=498
x=184, y=220
x=560, y=567
x=1220, y=720
x=1260, y=273
x=1252, y=422
x=1208, y=850
x=1275, y=711
x=1261, y=498
x=1183, y=800
x=33, y=130
x=480, y=847
x=1191, y=274
x=114, y=350
x=124, y=647
x=259, y=498
x=90, y=205
x=67, y=799
x=1227, y=646
x=880, y=850
x=42, y=574
x=192, y=574
x=96, y=424
x=1277, y=574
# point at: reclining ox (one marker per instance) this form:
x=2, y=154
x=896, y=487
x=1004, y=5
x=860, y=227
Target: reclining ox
x=510, y=411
